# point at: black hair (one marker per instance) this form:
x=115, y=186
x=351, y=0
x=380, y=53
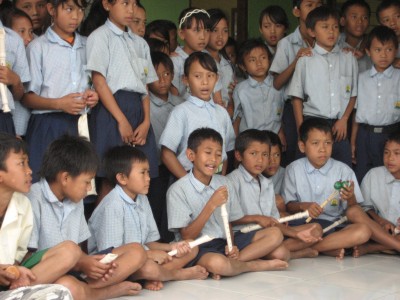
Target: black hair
x=158, y=28
x=5, y=7
x=161, y=58
x=200, y=135
x=296, y=3
x=216, y=15
x=72, y=154
x=249, y=136
x=9, y=143
x=169, y=25
x=313, y=123
x=394, y=137
x=230, y=43
x=13, y=14
x=385, y=4
x=274, y=139
x=277, y=15
x=204, y=59
x=157, y=45
x=321, y=13
x=247, y=46
x=383, y=34
x=349, y=3
x=199, y=18
x=80, y=3
x=120, y=160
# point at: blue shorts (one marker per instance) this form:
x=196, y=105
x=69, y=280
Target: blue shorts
x=242, y=240
x=6, y=123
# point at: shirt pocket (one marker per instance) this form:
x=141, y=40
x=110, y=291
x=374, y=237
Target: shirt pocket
x=346, y=89
x=142, y=68
x=394, y=105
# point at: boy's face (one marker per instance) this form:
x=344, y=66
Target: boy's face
x=356, y=21
x=255, y=158
x=390, y=17
x=36, y=9
x=24, y=28
x=138, y=24
x=76, y=188
x=256, y=63
x=317, y=148
x=68, y=17
x=274, y=161
x=271, y=32
x=326, y=33
x=201, y=81
x=18, y=176
x=306, y=6
x=391, y=158
x=161, y=87
x=138, y=181
x=195, y=38
x=205, y=159
x=218, y=36
x=382, y=55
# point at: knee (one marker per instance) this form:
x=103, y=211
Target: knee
x=275, y=235
x=136, y=251
x=150, y=270
x=281, y=253
x=353, y=213
x=69, y=252
x=74, y=286
x=217, y=265
x=363, y=233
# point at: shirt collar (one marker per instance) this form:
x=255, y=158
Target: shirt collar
x=114, y=28
x=53, y=37
x=158, y=101
x=199, y=186
x=246, y=175
x=324, y=170
x=254, y=83
x=124, y=196
x=181, y=52
x=323, y=51
x=387, y=73
x=48, y=193
x=200, y=103
x=389, y=178
x=296, y=38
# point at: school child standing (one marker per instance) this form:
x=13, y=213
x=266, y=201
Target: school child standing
x=37, y=11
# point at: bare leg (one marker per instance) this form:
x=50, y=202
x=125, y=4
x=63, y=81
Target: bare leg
x=300, y=249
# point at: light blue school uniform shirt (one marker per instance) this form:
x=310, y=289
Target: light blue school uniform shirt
x=256, y=196
x=258, y=104
x=122, y=57
x=179, y=62
x=55, y=221
x=277, y=180
x=364, y=63
x=381, y=193
x=285, y=54
x=325, y=81
x=378, y=100
x=57, y=67
x=304, y=183
x=186, y=199
x=191, y=115
x=119, y=220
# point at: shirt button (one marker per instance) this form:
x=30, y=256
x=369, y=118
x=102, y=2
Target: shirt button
x=330, y=66
x=379, y=84
x=333, y=94
x=379, y=96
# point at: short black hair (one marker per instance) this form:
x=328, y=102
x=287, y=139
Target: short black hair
x=79, y=3
x=9, y=143
x=157, y=27
x=274, y=139
x=247, y=46
x=200, y=135
x=313, y=123
x=230, y=42
x=72, y=154
x=120, y=160
x=249, y=136
x=204, y=59
x=216, y=15
x=157, y=45
x=349, y=3
x=14, y=14
x=394, y=137
x=385, y=4
x=161, y=58
x=277, y=15
x=198, y=16
x=383, y=34
x=321, y=13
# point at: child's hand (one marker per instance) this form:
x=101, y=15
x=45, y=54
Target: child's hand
x=231, y=87
x=219, y=197
x=93, y=268
x=265, y=221
x=140, y=134
x=396, y=63
x=234, y=254
x=126, y=131
x=72, y=103
x=304, y=52
x=91, y=98
x=353, y=154
x=26, y=278
x=5, y=277
x=307, y=236
x=347, y=192
x=314, y=210
x=282, y=137
x=339, y=130
x=357, y=53
x=8, y=76
x=182, y=247
x=159, y=256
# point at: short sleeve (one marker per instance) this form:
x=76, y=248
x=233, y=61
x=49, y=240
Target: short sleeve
x=178, y=210
x=174, y=130
x=289, y=191
x=297, y=84
x=97, y=52
x=34, y=53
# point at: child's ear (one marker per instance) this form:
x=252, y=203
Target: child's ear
x=121, y=179
x=185, y=80
x=242, y=67
x=368, y=52
x=238, y=156
x=302, y=146
x=311, y=32
x=190, y=154
x=63, y=177
x=181, y=34
x=106, y=5
x=296, y=12
x=342, y=21
x=51, y=9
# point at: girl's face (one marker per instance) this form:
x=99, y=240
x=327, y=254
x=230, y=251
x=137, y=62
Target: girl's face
x=195, y=38
x=218, y=36
x=272, y=32
x=138, y=25
x=200, y=81
x=67, y=18
x=24, y=28
x=120, y=12
x=161, y=87
x=36, y=9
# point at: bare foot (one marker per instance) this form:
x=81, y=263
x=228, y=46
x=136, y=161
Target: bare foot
x=304, y=253
x=125, y=288
x=196, y=272
x=357, y=251
x=215, y=276
x=338, y=253
x=267, y=265
x=153, y=285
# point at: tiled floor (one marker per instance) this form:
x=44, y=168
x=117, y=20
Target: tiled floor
x=367, y=277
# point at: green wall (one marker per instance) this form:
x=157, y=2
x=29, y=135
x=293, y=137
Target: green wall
x=164, y=9
x=256, y=6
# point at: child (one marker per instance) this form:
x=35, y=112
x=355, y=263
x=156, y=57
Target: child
x=258, y=105
x=354, y=19
x=16, y=223
x=309, y=181
x=13, y=75
x=378, y=103
x=289, y=50
x=230, y=52
x=59, y=90
x=157, y=45
x=273, y=24
x=124, y=216
x=219, y=32
x=36, y=10
x=257, y=198
x=138, y=24
x=199, y=109
x=335, y=74
x=193, y=210
x=121, y=68
x=68, y=166
x=157, y=30
x=380, y=189
x=387, y=14
x=162, y=102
